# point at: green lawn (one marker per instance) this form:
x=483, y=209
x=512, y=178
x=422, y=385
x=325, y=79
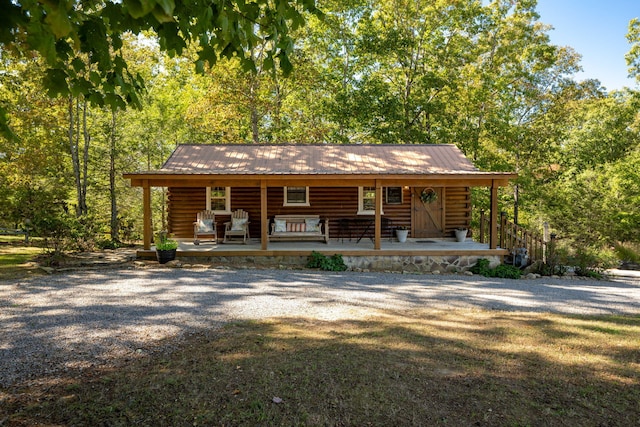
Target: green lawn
x=16, y=257
x=451, y=368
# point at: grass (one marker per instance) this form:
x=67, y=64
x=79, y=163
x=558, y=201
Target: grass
x=16, y=257
x=457, y=367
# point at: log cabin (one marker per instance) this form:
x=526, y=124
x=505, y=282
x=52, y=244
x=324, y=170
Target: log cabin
x=360, y=189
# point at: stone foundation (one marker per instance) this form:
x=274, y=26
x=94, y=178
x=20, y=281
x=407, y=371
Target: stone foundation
x=417, y=264
x=404, y=264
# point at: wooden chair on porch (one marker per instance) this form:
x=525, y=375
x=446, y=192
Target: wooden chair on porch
x=238, y=226
x=205, y=225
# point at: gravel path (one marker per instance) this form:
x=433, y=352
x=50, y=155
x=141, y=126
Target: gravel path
x=72, y=321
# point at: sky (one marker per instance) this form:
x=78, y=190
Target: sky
x=596, y=29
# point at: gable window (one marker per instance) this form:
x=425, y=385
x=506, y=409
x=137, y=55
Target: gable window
x=296, y=196
x=219, y=200
x=367, y=201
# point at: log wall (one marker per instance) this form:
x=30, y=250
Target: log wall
x=329, y=202
x=457, y=205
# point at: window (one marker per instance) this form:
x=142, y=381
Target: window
x=296, y=196
x=367, y=201
x=394, y=195
x=219, y=200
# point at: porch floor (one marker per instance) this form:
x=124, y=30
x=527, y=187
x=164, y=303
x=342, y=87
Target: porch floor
x=417, y=247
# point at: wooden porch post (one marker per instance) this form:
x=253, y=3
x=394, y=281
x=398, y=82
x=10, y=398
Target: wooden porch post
x=378, y=219
x=493, y=227
x=264, y=220
x=146, y=216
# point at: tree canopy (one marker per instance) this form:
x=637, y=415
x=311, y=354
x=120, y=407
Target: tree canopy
x=81, y=40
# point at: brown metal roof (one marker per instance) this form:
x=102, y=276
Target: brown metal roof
x=248, y=159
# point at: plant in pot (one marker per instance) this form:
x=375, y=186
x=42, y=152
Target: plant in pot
x=401, y=233
x=461, y=234
x=165, y=248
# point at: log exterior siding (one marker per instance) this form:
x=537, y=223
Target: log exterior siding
x=333, y=203
x=457, y=204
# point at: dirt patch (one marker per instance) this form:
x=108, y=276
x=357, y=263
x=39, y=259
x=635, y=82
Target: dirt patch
x=82, y=260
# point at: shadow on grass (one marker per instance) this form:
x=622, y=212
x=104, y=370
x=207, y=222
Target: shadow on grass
x=417, y=368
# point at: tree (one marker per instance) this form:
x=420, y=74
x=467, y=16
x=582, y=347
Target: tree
x=633, y=56
x=32, y=169
x=411, y=53
x=61, y=31
x=595, y=199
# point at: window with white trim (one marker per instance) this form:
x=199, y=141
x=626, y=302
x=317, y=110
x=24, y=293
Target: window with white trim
x=296, y=196
x=219, y=200
x=367, y=201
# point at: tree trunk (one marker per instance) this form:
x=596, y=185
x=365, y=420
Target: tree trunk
x=115, y=222
x=253, y=101
x=85, y=161
x=149, y=168
x=73, y=148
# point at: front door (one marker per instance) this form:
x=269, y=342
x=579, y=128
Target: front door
x=427, y=218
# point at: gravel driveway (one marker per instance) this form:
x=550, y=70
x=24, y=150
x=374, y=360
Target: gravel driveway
x=76, y=320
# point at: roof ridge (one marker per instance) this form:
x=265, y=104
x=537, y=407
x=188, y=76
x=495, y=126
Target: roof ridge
x=293, y=144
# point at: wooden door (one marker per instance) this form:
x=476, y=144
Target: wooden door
x=427, y=220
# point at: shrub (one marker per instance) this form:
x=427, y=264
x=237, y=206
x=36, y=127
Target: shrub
x=481, y=267
x=503, y=271
x=557, y=258
x=590, y=262
x=506, y=272
x=108, y=244
x=333, y=263
x=627, y=254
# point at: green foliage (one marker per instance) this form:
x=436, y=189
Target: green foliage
x=589, y=262
x=549, y=269
x=633, y=56
x=107, y=244
x=66, y=233
x=81, y=43
x=627, y=254
x=594, y=197
x=557, y=259
x=332, y=263
x=506, y=272
x=164, y=243
x=482, y=267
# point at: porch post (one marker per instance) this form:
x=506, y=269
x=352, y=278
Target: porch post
x=493, y=227
x=378, y=220
x=264, y=220
x=146, y=216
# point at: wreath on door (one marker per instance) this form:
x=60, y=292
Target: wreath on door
x=428, y=195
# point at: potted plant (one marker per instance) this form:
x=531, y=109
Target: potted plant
x=461, y=234
x=165, y=248
x=401, y=233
